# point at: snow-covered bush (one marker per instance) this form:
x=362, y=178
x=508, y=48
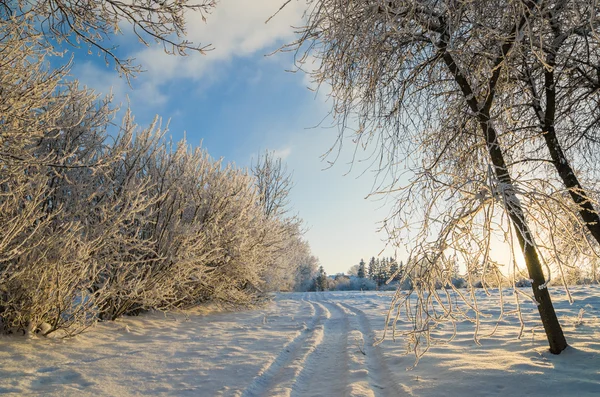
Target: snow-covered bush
x=100, y=221
x=338, y=283
x=306, y=270
x=135, y=225
x=44, y=253
x=352, y=283
x=458, y=282
x=523, y=283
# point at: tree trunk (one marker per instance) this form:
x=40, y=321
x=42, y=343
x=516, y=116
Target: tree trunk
x=578, y=194
x=552, y=327
x=554, y=332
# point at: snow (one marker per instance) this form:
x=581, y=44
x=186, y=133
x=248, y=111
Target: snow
x=307, y=344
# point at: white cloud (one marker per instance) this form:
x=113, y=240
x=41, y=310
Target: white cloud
x=342, y=224
x=236, y=28
x=282, y=153
x=102, y=81
x=106, y=81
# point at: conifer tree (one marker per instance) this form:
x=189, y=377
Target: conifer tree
x=393, y=269
x=361, y=268
x=321, y=280
x=372, y=268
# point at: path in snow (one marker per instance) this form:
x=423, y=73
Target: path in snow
x=333, y=355
x=309, y=344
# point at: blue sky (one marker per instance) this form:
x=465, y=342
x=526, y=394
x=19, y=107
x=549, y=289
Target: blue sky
x=238, y=102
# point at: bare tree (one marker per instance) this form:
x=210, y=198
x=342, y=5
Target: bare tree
x=287, y=250
x=273, y=183
x=95, y=23
x=558, y=75
x=479, y=86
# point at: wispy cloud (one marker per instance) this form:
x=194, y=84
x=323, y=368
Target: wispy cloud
x=282, y=153
x=106, y=81
x=235, y=29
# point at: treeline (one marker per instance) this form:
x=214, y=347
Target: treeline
x=100, y=221
x=379, y=273
x=381, y=270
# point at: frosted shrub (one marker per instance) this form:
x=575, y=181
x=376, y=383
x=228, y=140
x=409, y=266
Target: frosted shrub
x=523, y=283
x=44, y=257
x=363, y=284
x=102, y=222
x=339, y=283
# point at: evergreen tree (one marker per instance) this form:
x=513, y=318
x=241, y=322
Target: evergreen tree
x=321, y=280
x=372, y=268
x=400, y=271
x=378, y=271
x=382, y=270
x=393, y=269
x=361, y=268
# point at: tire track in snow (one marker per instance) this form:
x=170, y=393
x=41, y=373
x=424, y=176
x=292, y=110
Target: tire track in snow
x=325, y=371
x=278, y=378
x=378, y=374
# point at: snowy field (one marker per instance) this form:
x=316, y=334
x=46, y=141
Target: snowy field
x=305, y=345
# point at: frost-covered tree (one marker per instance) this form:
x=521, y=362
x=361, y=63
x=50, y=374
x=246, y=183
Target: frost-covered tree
x=94, y=23
x=287, y=248
x=361, y=269
x=353, y=271
x=306, y=272
x=274, y=184
x=499, y=99
x=320, y=282
x=372, y=268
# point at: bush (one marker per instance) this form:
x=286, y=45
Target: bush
x=392, y=286
x=459, y=282
x=362, y=284
x=523, y=283
x=96, y=226
x=133, y=226
x=352, y=283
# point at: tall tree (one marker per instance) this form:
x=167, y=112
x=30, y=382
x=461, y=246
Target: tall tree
x=361, y=269
x=372, y=269
x=559, y=79
x=321, y=280
x=382, y=271
x=274, y=183
x=394, y=273
x=437, y=75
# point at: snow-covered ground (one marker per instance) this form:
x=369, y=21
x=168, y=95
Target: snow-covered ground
x=305, y=345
